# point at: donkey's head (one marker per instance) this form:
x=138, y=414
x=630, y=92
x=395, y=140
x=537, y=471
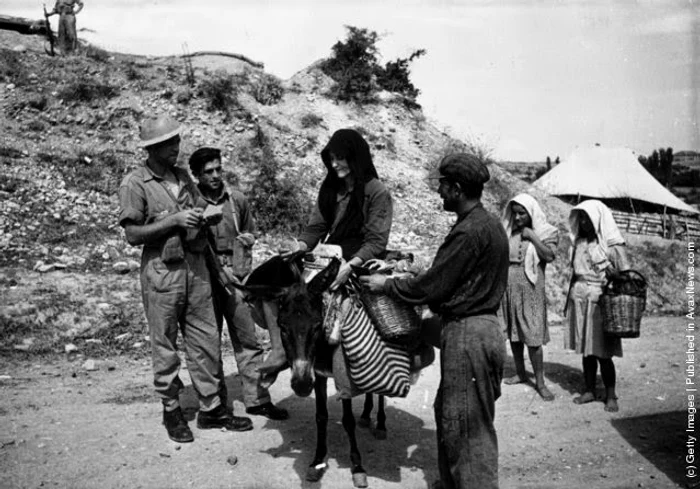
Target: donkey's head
x=300, y=316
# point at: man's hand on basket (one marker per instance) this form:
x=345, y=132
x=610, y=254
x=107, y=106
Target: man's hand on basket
x=374, y=282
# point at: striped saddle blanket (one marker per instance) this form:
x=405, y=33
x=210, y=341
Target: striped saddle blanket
x=374, y=365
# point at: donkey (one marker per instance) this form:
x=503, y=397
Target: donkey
x=300, y=320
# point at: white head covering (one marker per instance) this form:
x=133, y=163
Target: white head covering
x=540, y=226
x=603, y=222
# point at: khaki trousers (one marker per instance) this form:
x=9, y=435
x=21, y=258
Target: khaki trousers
x=178, y=296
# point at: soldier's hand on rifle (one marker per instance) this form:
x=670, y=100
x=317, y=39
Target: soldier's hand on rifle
x=190, y=218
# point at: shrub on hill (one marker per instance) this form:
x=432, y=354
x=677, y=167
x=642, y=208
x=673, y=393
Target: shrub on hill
x=220, y=91
x=268, y=90
x=87, y=91
x=277, y=202
x=355, y=68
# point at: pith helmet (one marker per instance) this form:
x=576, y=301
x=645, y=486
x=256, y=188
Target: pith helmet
x=158, y=129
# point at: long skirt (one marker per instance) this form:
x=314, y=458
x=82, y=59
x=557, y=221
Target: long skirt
x=523, y=308
x=585, y=329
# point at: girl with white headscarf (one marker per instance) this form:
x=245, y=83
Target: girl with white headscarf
x=533, y=244
x=598, y=254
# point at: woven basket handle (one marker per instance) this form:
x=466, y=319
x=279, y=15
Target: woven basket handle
x=631, y=272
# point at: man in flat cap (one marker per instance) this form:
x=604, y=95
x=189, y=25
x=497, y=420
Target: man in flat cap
x=463, y=287
x=158, y=210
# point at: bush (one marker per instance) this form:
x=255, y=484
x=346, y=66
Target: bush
x=268, y=90
x=358, y=75
x=12, y=69
x=311, y=120
x=279, y=205
x=220, y=91
x=95, y=53
x=85, y=91
x=353, y=64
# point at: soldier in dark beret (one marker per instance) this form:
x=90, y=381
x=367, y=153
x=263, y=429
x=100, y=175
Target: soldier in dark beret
x=463, y=287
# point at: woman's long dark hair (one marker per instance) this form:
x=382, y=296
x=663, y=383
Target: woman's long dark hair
x=349, y=145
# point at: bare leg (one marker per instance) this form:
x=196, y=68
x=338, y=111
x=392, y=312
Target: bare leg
x=607, y=371
x=521, y=376
x=537, y=359
x=590, y=370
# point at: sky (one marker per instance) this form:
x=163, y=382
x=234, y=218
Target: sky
x=525, y=79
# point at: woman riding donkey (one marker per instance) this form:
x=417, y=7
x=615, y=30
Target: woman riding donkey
x=354, y=211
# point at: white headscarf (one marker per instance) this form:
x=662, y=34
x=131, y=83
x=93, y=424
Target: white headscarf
x=603, y=222
x=540, y=226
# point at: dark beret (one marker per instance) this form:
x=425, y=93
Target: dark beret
x=464, y=168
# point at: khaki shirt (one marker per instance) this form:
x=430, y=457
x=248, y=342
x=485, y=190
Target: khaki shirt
x=144, y=198
x=66, y=6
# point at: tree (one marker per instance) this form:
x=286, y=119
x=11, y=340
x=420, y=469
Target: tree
x=355, y=68
x=667, y=167
x=549, y=163
x=654, y=163
x=556, y=162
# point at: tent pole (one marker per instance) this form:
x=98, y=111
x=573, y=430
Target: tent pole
x=663, y=224
x=632, y=206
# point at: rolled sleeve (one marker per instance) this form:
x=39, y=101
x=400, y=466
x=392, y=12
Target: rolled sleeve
x=132, y=202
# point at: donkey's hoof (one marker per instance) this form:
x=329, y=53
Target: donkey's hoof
x=364, y=422
x=315, y=472
x=359, y=479
x=379, y=434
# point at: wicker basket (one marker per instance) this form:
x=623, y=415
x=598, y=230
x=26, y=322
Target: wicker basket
x=622, y=305
x=396, y=322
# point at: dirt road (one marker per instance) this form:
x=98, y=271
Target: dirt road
x=63, y=426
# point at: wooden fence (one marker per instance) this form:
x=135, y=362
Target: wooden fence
x=662, y=225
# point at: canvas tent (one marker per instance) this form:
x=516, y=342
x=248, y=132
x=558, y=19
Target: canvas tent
x=613, y=175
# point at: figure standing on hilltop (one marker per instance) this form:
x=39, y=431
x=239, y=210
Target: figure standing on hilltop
x=159, y=210
x=354, y=209
x=598, y=255
x=232, y=241
x=67, y=32
x=464, y=287
x=533, y=244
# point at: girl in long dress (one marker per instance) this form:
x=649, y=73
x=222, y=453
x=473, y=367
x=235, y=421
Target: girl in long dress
x=598, y=255
x=533, y=243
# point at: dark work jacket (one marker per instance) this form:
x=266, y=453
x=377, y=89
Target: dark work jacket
x=370, y=240
x=469, y=274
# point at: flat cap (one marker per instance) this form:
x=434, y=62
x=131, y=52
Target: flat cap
x=464, y=168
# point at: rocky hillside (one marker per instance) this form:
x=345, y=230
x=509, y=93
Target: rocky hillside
x=70, y=133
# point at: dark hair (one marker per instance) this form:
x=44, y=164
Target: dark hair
x=201, y=157
x=469, y=190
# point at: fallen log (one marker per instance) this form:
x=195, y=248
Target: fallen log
x=22, y=25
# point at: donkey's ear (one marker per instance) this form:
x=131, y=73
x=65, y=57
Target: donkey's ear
x=324, y=278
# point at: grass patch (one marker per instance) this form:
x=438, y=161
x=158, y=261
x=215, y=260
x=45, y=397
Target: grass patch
x=12, y=70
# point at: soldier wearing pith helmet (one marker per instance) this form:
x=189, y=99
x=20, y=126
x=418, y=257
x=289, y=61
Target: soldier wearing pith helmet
x=158, y=209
